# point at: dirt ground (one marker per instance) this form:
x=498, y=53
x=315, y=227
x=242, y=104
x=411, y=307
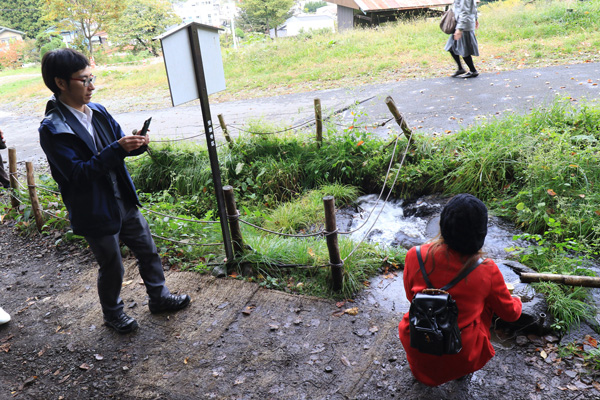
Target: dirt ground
x=235, y=341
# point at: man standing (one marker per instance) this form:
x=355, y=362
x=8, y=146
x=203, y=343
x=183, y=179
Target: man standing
x=86, y=149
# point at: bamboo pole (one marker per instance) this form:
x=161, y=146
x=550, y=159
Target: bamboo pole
x=224, y=129
x=337, y=265
x=35, y=204
x=399, y=118
x=232, y=217
x=571, y=280
x=12, y=173
x=319, y=119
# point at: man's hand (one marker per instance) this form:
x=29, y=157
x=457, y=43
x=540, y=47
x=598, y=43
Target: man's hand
x=133, y=142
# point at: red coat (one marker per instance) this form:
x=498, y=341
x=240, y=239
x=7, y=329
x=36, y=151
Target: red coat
x=479, y=296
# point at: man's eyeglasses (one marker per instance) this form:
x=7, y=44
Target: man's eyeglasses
x=86, y=81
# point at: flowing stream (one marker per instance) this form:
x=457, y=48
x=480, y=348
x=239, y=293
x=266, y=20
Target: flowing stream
x=413, y=224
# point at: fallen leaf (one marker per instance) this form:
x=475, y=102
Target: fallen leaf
x=311, y=252
x=84, y=366
x=551, y=192
x=593, y=342
x=248, y=310
x=6, y=339
x=351, y=311
x=239, y=381
x=5, y=347
x=543, y=354
x=373, y=329
x=185, y=360
x=345, y=361
x=126, y=283
x=340, y=304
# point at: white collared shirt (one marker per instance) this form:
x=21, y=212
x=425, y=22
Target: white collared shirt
x=84, y=117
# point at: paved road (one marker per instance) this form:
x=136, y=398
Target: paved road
x=430, y=105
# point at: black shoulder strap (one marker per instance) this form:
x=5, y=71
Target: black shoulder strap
x=422, y=266
x=454, y=281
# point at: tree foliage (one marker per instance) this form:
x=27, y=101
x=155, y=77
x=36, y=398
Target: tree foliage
x=22, y=15
x=262, y=15
x=88, y=17
x=47, y=41
x=311, y=6
x=141, y=21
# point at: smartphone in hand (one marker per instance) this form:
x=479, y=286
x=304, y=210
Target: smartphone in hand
x=145, y=128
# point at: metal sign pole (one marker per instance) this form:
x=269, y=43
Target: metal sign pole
x=210, y=137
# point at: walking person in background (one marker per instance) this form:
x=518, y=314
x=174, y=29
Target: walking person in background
x=463, y=42
x=4, y=181
x=86, y=149
x=483, y=293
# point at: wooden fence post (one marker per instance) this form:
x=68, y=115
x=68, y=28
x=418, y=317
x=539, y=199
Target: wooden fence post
x=319, y=119
x=399, y=118
x=232, y=217
x=35, y=204
x=224, y=129
x=12, y=173
x=337, y=265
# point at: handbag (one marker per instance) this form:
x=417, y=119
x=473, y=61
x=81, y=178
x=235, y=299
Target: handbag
x=448, y=22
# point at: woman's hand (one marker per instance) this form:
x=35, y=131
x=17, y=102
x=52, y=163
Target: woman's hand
x=457, y=34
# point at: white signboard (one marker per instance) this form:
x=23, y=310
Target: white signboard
x=177, y=53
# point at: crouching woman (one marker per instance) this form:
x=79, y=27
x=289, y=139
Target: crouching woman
x=483, y=293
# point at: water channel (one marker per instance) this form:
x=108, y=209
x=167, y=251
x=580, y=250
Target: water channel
x=407, y=224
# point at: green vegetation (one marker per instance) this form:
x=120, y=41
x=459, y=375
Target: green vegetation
x=537, y=170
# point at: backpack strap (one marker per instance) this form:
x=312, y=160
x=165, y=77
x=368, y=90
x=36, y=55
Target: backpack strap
x=454, y=281
x=462, y=275
x=422, y=267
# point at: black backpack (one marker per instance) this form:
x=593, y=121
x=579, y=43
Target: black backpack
x=433, y=316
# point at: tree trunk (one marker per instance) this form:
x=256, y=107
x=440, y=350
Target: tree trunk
x=571, y=280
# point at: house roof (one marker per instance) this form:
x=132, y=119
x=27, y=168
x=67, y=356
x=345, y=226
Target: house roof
x=3, y=29
x=385, y=5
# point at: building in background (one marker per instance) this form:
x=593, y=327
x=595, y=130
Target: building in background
x=374, y=12
x=304, y=23
x=8, y=35
x=207, y=12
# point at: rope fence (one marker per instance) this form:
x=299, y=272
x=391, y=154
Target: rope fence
x=330, y=232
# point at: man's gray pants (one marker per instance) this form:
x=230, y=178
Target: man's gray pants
x=135, y=234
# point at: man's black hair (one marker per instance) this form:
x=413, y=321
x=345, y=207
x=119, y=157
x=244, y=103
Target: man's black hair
x=61, y=63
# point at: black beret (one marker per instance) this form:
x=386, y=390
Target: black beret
x=463, y=223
